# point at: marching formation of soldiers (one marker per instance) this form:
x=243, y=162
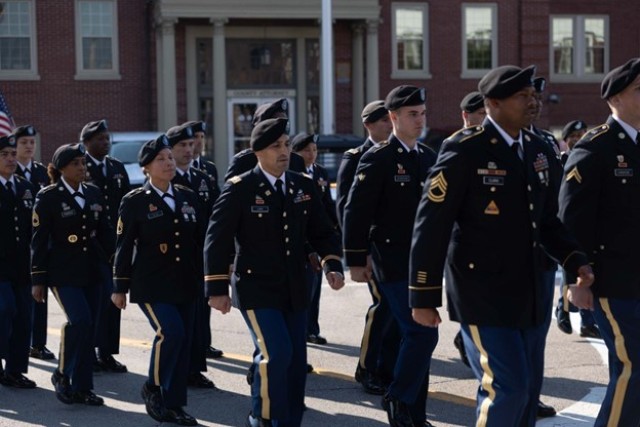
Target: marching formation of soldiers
x=406, y=221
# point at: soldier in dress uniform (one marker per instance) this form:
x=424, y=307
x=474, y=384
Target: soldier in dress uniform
x=16, y=202
x=246, y=160
x=380, y=339
x=599, y=203
x=162, y=223
x=72, y=239
x=306, y=146
x=36, y=173
x=488, y=208
x=270, y=213
x=110, y=176
x=378, y=221
x=181, y=139
x=208, y=167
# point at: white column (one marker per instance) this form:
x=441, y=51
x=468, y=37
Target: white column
x=373, y=77
x=220, y=131
x=357, y=65
x=167, y=87
x=327, y=86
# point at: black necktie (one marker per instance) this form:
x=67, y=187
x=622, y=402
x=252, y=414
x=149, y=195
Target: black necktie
x=100, y=168
x=9, y=186
x=27, y=173
x=196, y=165
x=517, y=150
x=168, y=196
x=78, y=194
x=280, y=191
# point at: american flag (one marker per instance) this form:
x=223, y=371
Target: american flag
x=6, y=121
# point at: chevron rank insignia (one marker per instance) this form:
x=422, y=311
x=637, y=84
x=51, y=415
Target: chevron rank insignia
x=574, y=174
x=437, y=188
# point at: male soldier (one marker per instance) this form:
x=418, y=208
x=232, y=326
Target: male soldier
x=378, y=221
x=487, y=208
x=36, y=174
x=110, y=176
x=270, y=213
x=208, y=167
x=599, y=203
x=181, y=140
x=246, y=160
x=381, y=338
x=16, y=203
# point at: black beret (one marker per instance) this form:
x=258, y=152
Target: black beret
x=179, y=133
x=374, y=111
x=66, y=153
x=301, y=140
x=404, y=96
x=26, y=130
x=267, y=132
x=619, y=78
x=7, y=141
x=150, y=149
x=539, y=84
x=572, y=127
x=269, y=110
x=502, y=82
x=93, y=128
x=197, y=126
x=472, y=101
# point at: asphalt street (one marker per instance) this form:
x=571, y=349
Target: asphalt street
x=575, y=377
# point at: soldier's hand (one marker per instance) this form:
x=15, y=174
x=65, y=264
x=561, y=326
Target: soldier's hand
x=119, y=299
x=581, y=297
x=585, y=276
x=360, y=274
x=426, y=317
x=314, y=260
x=221, y=303
x=335, y=280
x=38, y=293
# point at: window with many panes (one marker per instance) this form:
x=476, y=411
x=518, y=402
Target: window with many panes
x=96, y=39
x=579, y=48
x=479, y=39
x=410, y=40
x=17, y=40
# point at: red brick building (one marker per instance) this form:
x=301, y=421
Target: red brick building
x=147, y=65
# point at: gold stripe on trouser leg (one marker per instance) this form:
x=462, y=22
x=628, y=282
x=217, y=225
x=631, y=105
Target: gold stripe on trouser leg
x=61, y=355
x=364, y=346
x=565, y=298
x=623, y=379
x=264, y=380
x=487, y=378
x=156, y=359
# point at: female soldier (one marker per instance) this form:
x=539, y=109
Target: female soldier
x=71, y=236
x=160, y=221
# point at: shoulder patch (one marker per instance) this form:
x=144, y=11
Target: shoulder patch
x=48, y=188
x=597, y=131
x=381, y=145
x=466, y=133
x=235, y=179
x=183, y=188
x=353, y=151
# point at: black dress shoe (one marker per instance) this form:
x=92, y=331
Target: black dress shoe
x=16, y=381
x=41, y=352
x=153, y=401
x=178, y=416
x=459, y=344
x=545, y=411
x=590, y=332
x=370, y=383
x=198, y=380
x=87, y=398
x=213, y=353
x=316, y=339
x=564, y=322
x=109, y=364
x=309, y=368
x=62, y=387
x=257, y=422
x=397, y=412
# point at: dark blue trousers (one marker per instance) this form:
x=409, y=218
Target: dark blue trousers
x=619, y=323
x=15, y=326
x=80, y=306
x=314, y=283
x=381, y=338
x=411, y=374
x=169, y=366
x=108, y=322
x=503, y=360
x=277, y=392
x=39, y=321
x=200, y=342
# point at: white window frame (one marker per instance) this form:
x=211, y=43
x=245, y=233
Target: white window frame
x=32, y=73
x=410, y=74
x=579, y=75
x=479, y=73
x=81, y=72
